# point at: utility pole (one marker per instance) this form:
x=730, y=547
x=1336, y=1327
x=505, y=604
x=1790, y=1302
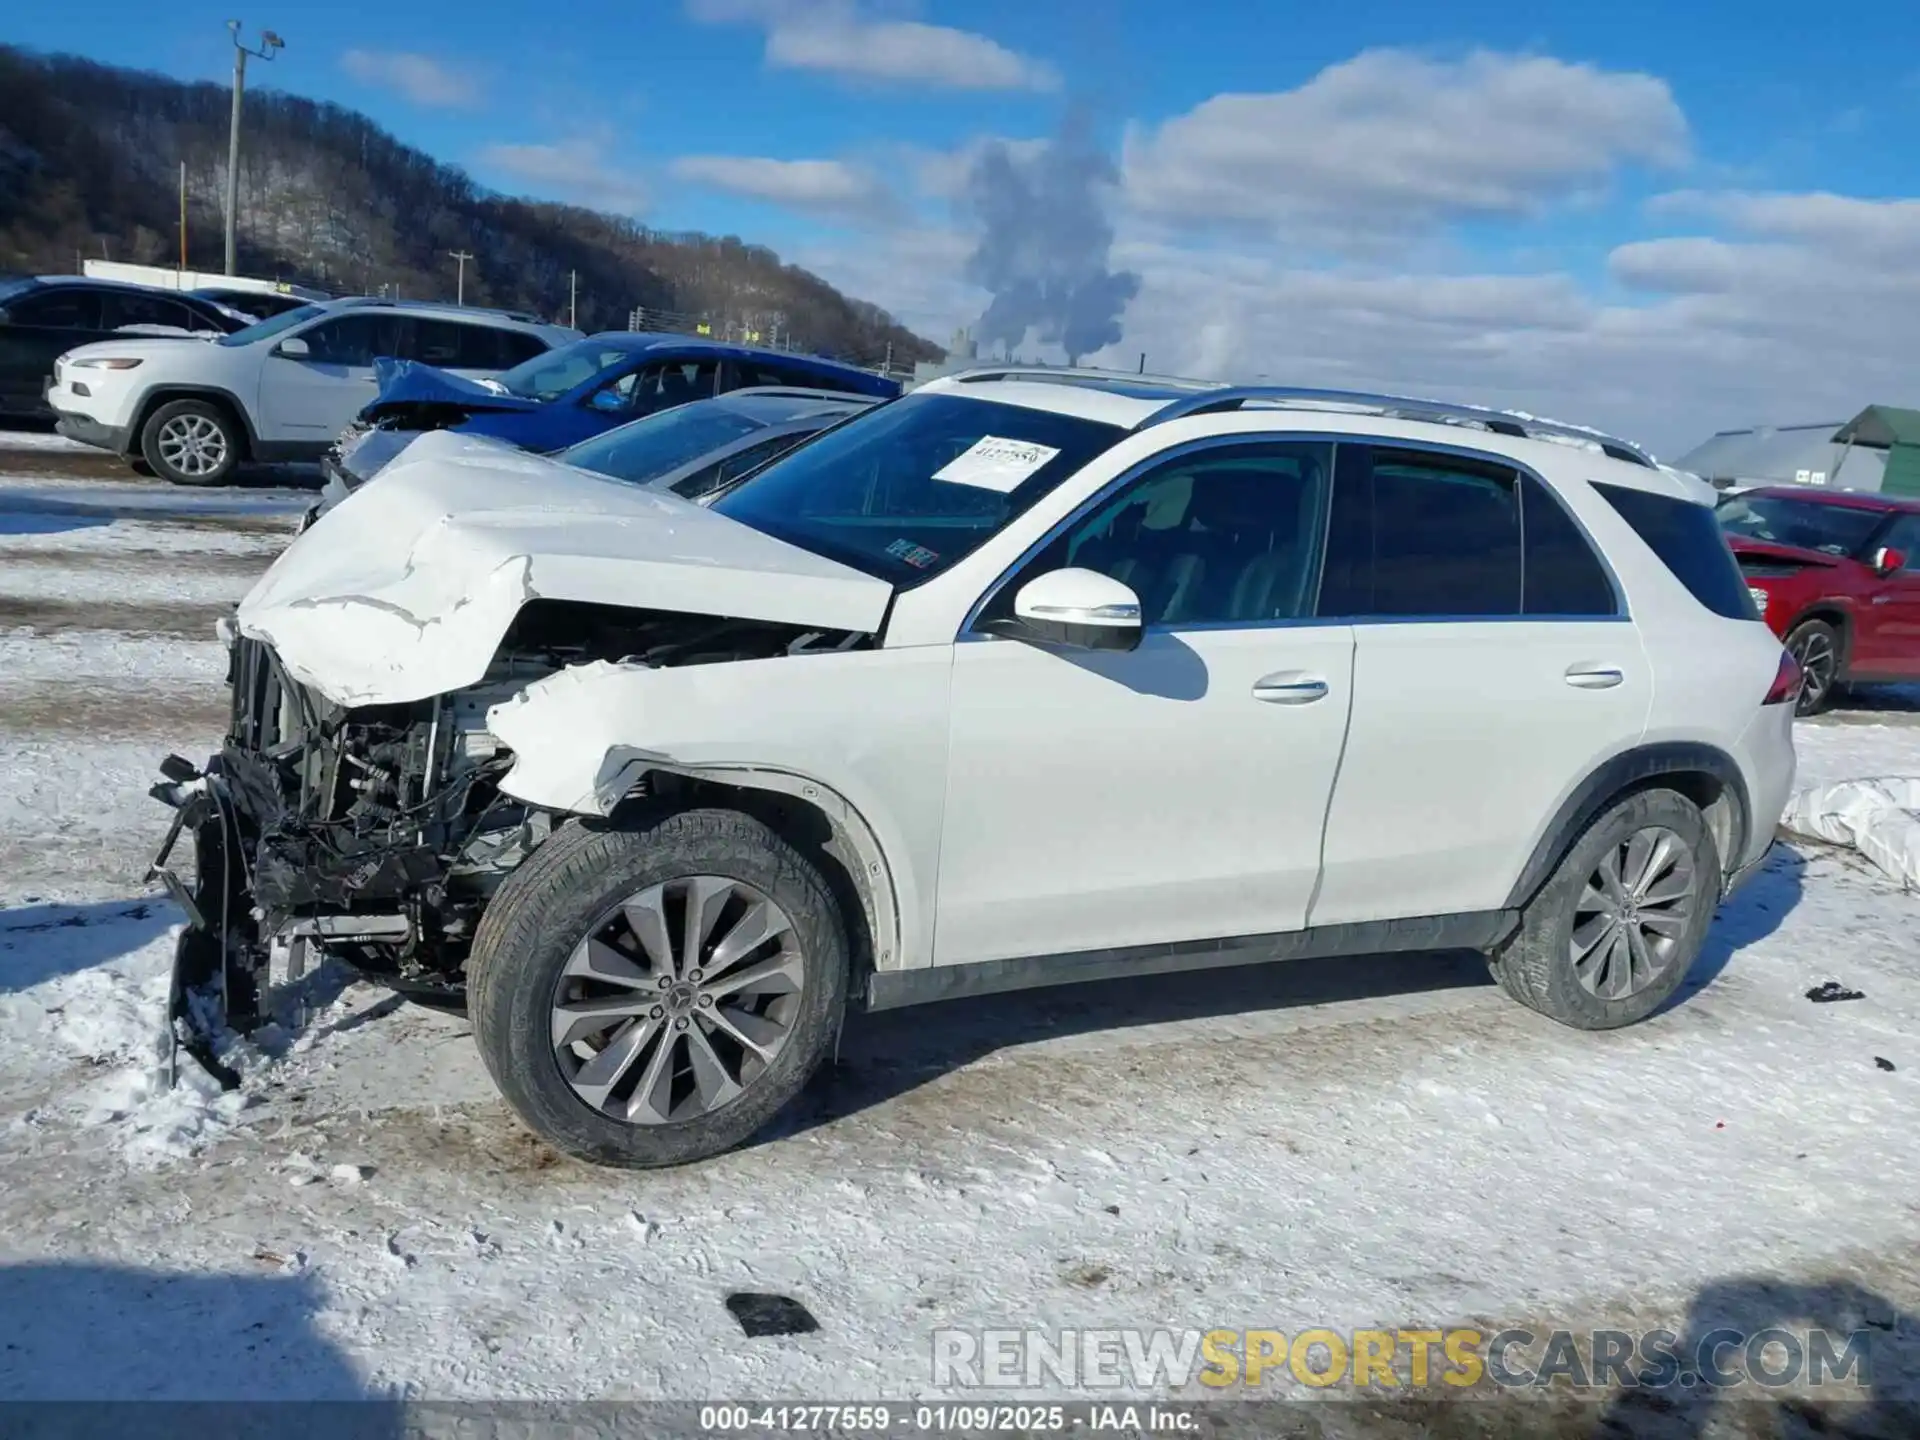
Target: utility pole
x=183, y=217
x=460, y=292
x=269, y=42
x=573, y=297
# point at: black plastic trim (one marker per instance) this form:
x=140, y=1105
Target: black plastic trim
x=165, y=394
x=1479, y=930
x=1621, y=773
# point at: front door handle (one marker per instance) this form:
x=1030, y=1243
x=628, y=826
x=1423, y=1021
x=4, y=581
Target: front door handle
x=1290, y=687
x=1595, y=677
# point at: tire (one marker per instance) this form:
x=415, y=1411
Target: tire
x=1608, y=987
x=138, y=464
x=191, y=442
x=638, y=1108
x=1815, y=643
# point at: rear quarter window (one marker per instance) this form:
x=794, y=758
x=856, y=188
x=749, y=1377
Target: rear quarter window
x=1688, y=539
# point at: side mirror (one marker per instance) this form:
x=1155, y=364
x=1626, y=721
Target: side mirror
x=608, y=402
x=1886, y=560
x=293, y=348
x=1081, y=608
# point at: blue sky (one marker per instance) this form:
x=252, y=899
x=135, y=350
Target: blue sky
x=1549, y=204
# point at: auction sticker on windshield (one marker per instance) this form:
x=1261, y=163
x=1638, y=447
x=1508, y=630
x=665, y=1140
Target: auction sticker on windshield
x=993, y=463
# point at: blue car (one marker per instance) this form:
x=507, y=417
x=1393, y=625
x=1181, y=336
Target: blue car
x=580, y=390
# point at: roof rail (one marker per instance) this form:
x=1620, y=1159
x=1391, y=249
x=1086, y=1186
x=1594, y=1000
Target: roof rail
x=1069, y=374
x=1441, y=412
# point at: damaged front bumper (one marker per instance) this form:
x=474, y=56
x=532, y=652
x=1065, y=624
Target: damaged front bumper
x=372, y=835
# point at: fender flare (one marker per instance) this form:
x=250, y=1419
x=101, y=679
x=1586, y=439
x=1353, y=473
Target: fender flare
x=1631, y=770
x=166, y=392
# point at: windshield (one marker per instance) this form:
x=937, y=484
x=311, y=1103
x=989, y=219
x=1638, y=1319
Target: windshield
x=552, y=374
x=1804, y=524
x=267, y=329
x=646, y=449
x=909, y=488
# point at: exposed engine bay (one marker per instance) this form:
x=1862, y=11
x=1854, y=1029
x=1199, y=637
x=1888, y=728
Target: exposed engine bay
x=378, y=833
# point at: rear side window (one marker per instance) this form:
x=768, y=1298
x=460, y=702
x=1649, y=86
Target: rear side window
x=517, y=347
x=458, y=345
x=1563, y=576
x=61, y=309
x=1417, y=533
x=1690, y=543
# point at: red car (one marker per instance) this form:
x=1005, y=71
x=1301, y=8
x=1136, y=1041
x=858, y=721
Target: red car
x=1837, y=576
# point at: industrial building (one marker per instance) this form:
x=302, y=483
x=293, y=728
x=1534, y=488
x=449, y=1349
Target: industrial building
x=1879, y=449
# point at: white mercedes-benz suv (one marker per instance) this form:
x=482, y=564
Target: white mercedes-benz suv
x=279, y=390
x=1024, y=677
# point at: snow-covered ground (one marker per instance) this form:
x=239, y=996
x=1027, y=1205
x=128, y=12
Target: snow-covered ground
x=1346, y=1144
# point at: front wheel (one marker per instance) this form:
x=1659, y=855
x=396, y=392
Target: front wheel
x=1815, y=644
x=654, y=994
x=1614, y=931
x=191, y=442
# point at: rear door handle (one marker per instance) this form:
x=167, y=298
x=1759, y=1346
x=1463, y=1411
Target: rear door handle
x=1289, y=687
x=1595, y=677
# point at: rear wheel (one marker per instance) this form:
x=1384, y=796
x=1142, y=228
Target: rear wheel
x=654, y=994
x=1815, y=644
x=191, y=442
x=1612, y=934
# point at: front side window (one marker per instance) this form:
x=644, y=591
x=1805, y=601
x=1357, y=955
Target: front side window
x=1803, y=524
x=351, y=340
x=906, y=489
x=658, y=387
x=1905, y=537
x=645, y=449
x=124, y=311
x=552, y=373
x=273, y=328
x=1225, y=535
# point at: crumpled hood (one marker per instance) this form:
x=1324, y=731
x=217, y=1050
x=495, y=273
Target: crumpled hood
x=409, y=382
x=404, y=589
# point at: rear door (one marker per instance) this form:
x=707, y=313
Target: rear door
x=43, y=325
x=1494, y=667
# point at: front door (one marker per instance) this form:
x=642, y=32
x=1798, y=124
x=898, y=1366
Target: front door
x=1494, y=668
x=1175, y=792
x=312, y=398
x=1887, y=641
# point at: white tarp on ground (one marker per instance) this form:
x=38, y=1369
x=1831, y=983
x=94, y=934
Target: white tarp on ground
x=1879, y=817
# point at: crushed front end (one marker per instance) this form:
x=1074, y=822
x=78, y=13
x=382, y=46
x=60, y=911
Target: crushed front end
x=374, y=834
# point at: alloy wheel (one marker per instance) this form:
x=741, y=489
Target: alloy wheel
x=678, y=1000
x=1633, y=913
x=1814, y=650
x=192, y=445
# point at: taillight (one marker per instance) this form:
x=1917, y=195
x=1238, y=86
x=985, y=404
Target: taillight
x=1786, y=681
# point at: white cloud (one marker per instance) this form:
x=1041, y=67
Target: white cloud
x=834, y=37
x=836, y=189
x=576, y=170
x=420, y=78
x=1393, y=142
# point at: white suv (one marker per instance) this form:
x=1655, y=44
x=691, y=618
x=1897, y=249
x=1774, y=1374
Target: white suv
x=279, y=390
x=1021, y=678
